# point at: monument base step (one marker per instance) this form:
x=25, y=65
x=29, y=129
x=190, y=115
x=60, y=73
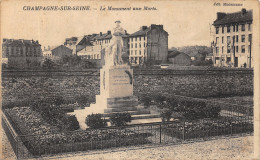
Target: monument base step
x=121, y=109
x=149, y=120
x=142, y=116
x=130, y=112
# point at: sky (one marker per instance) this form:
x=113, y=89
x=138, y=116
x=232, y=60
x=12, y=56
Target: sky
x=187, y=23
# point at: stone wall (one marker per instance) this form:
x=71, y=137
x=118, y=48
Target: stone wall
x=23, y=86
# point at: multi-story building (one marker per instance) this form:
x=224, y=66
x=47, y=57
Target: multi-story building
x=233, y=39
x=148, y=44
x=21, y=53
x=21, y=48
x=99, y=42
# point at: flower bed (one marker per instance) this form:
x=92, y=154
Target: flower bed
x=27, y=121
x=207, y=128
x=82, y=141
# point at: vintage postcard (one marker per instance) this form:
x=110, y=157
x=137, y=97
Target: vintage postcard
x=130, y=79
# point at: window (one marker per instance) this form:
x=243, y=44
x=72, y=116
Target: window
x=135, y=52
x=243, y=27
x=223, y=29
x=131, y=52
x=217, y=29
x=236, y=38
x=144, y=52
x=132, y=45
x=144, y=44
x=135, y=38
x=237, y=49
x=243, y=38
x=217, y=40
x=234, y=28
x=144, y=37
x=136, y=45
x=140, y=45
x=228, y=59
x=140, y=38
x=222, y=49
x=140, y=52
x=228, y=29
x=98, y=56
x=243, y=49
x=228, y=39
x=222, y=39
x=228, y=49
x=249, y=27
x=217, y=50
x=249, y=37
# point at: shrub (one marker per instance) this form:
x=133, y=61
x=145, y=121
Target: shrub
x=70, y=123
x=82, y=99
x=58, y=100
x=120, y=119
x=166, y=115
x=95, y=121
x=146, y=100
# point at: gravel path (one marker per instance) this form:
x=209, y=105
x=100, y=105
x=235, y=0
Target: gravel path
x=233, y=148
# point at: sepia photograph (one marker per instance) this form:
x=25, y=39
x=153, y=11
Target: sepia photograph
x=130, y=80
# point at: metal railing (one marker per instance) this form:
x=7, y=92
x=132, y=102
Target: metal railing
x=174, y=132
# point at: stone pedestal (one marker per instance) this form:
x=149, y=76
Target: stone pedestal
x=116, y=89
x=116, y=81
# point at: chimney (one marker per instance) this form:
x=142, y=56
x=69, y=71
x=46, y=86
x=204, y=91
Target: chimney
x=220, y=15
x=100, y=34
x=153, y=26
x=108, y=32
x=243, y=11
x=143, y=28
x=161, y=27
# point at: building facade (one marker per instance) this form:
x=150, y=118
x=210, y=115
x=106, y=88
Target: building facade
x=21, y=53
x=179, y=58
x=57, y=52
x=98, y=43
x=233, y=39
x=148, y=44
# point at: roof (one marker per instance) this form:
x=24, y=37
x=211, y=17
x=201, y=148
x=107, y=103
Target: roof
x=140, y=32
x=174, y=53
x=49, y=48
x=237, y=17
x=61, y=46
x=20, y=42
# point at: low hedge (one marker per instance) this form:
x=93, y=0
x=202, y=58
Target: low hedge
x=83, y=140
x=189, y=108
x=205, y=129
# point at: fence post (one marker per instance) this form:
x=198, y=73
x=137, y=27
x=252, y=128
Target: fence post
x=16, y=148
x=231, y=128
x=183, y=134
x=160, y=133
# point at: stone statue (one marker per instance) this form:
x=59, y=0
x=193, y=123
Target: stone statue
x=113, y=54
